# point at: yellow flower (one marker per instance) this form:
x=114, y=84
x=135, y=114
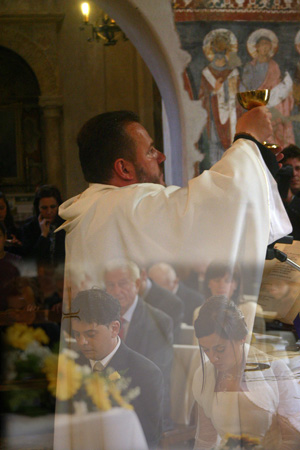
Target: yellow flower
x=250, y=440
x=40, y=336
x=64, y=376
x=20, y=335
x=96, y=388
x=116, y=394
x=243, y=440
x=50, y=369
x=114, y=376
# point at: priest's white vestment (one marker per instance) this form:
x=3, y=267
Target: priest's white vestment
x=228, y=213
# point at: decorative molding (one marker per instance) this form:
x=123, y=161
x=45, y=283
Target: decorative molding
x=31, y=18
x=30, y=6
x=262, y=10
x=52, y=106
x=53, y=101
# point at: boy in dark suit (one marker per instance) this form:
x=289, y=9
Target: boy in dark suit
x=96, y=330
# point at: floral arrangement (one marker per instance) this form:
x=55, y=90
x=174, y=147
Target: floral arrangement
x=88, y=390
x=240, y=442
x=25, y=384
x=35, y=376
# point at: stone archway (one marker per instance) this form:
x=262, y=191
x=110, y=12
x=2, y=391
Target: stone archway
x=38, y=49
x=43, y=68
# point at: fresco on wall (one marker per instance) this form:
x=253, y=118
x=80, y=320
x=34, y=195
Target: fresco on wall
x=230, y=56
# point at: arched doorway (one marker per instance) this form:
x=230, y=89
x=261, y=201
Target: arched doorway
x=21, y=165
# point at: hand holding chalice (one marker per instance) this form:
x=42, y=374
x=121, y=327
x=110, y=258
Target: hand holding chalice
x=252, y=99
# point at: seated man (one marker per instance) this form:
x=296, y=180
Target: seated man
x=160, y=298
x=165, y=276
x=96, y=332
x=289, y=186
x=146, y=330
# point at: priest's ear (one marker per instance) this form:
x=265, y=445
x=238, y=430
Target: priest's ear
x=124, y=169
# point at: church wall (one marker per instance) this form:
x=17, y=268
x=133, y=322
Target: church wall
x=78, y=79
x=96, y=79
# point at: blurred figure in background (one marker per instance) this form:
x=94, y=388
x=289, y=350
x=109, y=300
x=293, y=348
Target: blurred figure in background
x=40, y=242
x=165, y=276
x=288, y=179
x=164, y=300
x=13, y=241
x=9, y=265
x=222, y=279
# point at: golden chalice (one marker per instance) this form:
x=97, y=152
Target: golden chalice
x=252, y=99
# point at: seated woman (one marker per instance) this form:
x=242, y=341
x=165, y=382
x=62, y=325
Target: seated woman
x=222, y=279
x=241, y=391
x=22, y=305
x=39, y=240
x=13, y=242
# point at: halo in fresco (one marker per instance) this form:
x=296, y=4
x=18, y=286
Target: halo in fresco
x=257, y=34
x=219, y=40
x=297, y=42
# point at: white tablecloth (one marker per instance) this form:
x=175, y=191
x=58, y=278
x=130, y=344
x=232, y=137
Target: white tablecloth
x=24, y=432
x=116, y=429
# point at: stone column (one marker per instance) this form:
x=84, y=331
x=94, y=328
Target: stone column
x=53, y=149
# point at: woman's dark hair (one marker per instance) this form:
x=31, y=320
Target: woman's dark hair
x=221, y=316
x=8, y=221
x=45, y=191
x=220, y=270
x=3, y=229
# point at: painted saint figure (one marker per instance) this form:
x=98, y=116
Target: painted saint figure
x=264, y=73
x=219, y=85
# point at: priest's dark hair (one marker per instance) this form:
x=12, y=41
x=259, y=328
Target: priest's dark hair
x=96, y=306
x=101, y=141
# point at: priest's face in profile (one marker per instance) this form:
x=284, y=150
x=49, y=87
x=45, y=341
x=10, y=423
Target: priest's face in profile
x=120, y=284
x=95, y=341
x=149, y=161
